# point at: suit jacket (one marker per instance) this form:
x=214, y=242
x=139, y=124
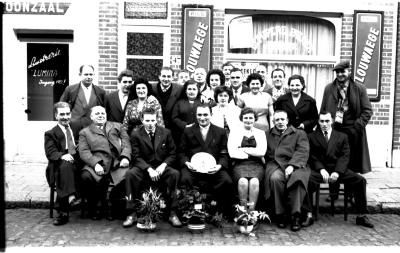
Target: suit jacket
x=54, y=147
x=332, y=156
x=361, y=106
x=113, y=107
x=305, y=111
x=145, y=155
x=290, y=148
x=173, y=98
x=215, y=144
x=106, y=147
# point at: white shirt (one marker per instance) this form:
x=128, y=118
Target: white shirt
x=87, y=91
x=123, y=98
x=204, y=131
x=64, y=130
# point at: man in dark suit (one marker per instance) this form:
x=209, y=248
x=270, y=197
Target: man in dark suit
x=63, y=168
x=115, y=102
x=329, y=159
x=206, y=137
x=83, y=96
x=153, y=152
x=237, y=84
x=105, y=149
x=287, y=173
x=167, y=94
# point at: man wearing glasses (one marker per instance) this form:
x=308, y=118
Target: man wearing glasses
x=237, y=84
x=116, y=101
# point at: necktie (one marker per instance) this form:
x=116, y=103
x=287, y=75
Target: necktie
x=70, y=142
x=235, y=97
x=151, y=134
x=326, y=136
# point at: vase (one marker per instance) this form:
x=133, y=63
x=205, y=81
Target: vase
x=151, y=226
x=245, y=229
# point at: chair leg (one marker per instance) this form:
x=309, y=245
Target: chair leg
x=317, y=203
x=346, y=198
x=332, y=204
x=51, y=201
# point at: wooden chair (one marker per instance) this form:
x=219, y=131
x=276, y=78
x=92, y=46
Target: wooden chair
x=324, y=189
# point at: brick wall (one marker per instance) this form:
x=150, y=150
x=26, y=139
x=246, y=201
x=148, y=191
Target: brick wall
x=108, y=45
x=396, y=121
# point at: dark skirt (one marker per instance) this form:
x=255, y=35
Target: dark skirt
x=252, y=168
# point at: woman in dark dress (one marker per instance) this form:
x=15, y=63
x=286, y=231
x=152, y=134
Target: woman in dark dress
x=301, y=108
x=247, y=146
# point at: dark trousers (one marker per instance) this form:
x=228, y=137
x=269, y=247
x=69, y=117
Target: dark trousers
x=220, y=184
x=67, y=178
x=292, y=197
x=138, y=180
x=94, y=191
x=356, y=183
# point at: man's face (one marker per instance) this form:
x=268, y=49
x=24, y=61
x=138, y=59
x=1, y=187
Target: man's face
x=98, y=116
x=165, y=78
x=236, y=79
x=262, y=70
x=280, y=121
x=125, y=83
x=87, y=75
x=63, y=116
x=325, y=122
x=277, y=78
x=227, y=72
x=203, y=116
x=149, y=122
x=343, y=75
x=183, y=77
x=200, y=75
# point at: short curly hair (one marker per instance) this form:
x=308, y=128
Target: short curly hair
x=221, y=89
x=299, y=77
x=215, y=72
x=254, y=76
x=247, y=110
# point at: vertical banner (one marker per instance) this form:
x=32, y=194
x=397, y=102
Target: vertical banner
x=196, y=37
x=47, y=68
x=368, y=33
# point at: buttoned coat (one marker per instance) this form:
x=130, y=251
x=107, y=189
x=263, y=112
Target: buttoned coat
x=106, y=148
x=173, y=98
x=361, y=106
x=114, y=110
x=290, y=148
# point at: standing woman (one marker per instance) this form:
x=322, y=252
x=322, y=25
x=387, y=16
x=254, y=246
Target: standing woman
x=184, y=111
x=260, y=102
x=301, y=108
x=140, y=97
x=247, y=146
x=214, y=79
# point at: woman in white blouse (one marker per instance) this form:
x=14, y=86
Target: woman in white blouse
x=247, y=146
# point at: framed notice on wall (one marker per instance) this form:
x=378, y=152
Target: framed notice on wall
x=196, y=37
x=368, y=34
x=48, y=69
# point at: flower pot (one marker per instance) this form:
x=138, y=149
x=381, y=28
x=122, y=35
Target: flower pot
x=146, y=226
x=196, y=223
x=246, y=229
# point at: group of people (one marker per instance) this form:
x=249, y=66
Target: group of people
x=269, y=142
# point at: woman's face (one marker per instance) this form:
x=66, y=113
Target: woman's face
x=255, y=86
x=295, y=87
x=215, y=81
x=223, y=98
x=191, y=91
x=141, y=90
x=248, y=120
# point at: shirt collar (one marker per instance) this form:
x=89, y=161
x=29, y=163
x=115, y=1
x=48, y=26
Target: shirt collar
x=205, y=128
x=121, y=94
x=88, y=88
x=165, y=89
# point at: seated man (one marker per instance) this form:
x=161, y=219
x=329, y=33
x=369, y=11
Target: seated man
x=286, y=175
x=206, y=137
x=105, y=149
x=153, y=152
x=329, y=159
x=62, y=170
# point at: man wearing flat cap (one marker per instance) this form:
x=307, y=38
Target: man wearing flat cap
x=351, y=110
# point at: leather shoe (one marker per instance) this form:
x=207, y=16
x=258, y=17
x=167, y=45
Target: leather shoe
x=307, y=222
x=95, y=215
x=364, y=221
x=130, y=220
x=295, y=224
x=75, y=203
x=61, y=220
x=174, y=221
x=281, y=221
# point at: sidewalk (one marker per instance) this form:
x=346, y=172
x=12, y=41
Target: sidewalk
x=26, y=186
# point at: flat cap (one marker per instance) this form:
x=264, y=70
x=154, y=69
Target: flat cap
x=342, y=65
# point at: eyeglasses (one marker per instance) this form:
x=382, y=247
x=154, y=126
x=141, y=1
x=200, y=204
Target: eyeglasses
x=127, y=81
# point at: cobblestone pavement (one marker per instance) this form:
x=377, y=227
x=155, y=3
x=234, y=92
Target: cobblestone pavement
x=33, y=228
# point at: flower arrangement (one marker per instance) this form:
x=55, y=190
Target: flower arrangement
x=246, y=219
x=150, y=208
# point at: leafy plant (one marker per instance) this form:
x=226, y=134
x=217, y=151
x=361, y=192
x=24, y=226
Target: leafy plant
x=150, y=207
x=246, y=217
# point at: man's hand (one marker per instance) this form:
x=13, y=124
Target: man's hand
x=160, y=169
x=153, y=174
x=215, y=169
x=325, y=175
x=334, y=177
x=124, y=163
x=68, y=158
x=301, y=126
x=288, y=171
x=189, y=125
x=99, y=169
x=190, y=166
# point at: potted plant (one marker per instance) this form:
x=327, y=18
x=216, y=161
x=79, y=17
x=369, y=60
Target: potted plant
x=150, y=210
x=247, y=219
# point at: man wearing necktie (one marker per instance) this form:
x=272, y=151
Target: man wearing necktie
x=64, y=163
x=105, y=149
x=153, y=158
x=329, y=160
